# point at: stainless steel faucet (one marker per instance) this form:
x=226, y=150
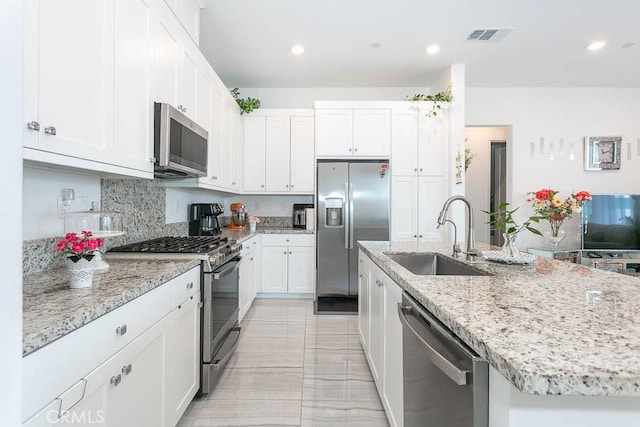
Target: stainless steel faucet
x=471, y=234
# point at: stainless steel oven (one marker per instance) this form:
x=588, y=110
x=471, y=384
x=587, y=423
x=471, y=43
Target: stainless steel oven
x=220, y=330
x=445, y=383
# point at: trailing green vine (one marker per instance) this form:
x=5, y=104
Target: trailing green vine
x=437, y=99
x=246, y=105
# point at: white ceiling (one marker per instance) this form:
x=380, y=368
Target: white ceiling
x=248, y=41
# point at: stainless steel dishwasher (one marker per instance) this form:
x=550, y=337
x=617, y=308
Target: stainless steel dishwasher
x=445, y=383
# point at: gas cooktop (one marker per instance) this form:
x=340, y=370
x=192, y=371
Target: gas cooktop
x=179, y=245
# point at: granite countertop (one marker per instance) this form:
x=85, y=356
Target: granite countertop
x=51, y=309
x=551, y=327
x=242, y=235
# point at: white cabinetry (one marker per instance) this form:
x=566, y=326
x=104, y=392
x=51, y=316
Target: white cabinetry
x=279, y=152
x=141, y=368
x=381, y=336
x=353, y=132
x=249, y=275
x=418, y=183
x=69, y=78
x=188, y=13
x=288, y=263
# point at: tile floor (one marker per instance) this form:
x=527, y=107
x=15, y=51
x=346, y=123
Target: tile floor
x=292, y=368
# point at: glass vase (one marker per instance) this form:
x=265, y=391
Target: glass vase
x=509, y=247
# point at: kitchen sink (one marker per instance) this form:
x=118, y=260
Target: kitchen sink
x=434, y=265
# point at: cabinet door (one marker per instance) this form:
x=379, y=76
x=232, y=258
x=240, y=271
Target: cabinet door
x=363, y=303
x=184, y=363
x=302, y=157
x=188, y=12
x=277, y=153
x=188, y=81
x=274, y=269
x=254, y=128
x=75, y=78
x=334, y=132
x=404, y=148
x=376, y=326
x=301, y=270
x=245, y=286
x=166, y=50
x=134, y=107
x=234, y=163
x=432, y=144
x=392, y=383
x=205, y=88
x=372, y=132
x=404, y=208
x=431, y=197
x=216, y=138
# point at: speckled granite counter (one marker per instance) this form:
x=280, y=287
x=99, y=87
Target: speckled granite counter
x=242, y=235
x=544, y=327
x=51, y=309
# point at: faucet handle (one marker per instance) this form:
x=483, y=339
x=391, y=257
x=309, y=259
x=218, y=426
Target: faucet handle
x=456, y=249
x=473, y=252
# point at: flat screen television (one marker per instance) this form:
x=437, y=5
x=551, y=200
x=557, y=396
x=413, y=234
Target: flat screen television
x=611, y=222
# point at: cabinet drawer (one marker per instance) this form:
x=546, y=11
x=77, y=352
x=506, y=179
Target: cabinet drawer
x=185, y=285
x=288, y=240
x=248, y=246
x=49, y=371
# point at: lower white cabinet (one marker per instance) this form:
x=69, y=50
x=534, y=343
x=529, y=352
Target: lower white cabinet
x=288, y=263
x=184, y=357
x=146, y=379
x=249, y=275
x=381, y=335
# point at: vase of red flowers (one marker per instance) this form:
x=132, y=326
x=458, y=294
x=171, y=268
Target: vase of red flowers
x=80, y=252
x=555, y=210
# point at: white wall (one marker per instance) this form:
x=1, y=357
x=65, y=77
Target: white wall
x=285, y=97
x=42, y=189
x=268, y=205
x=179, y=199
x=552, y=114
x=11, y=123
x=478, y=176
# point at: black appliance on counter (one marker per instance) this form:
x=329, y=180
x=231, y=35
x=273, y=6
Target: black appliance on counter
x=219, y=278
x=203, y=219
x=300, y=214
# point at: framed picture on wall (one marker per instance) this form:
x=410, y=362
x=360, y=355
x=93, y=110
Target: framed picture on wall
x=602, y=152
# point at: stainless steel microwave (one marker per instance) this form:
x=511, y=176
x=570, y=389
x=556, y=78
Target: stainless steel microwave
x=179, y=144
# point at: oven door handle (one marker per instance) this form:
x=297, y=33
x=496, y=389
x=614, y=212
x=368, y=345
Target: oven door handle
x=226, y=270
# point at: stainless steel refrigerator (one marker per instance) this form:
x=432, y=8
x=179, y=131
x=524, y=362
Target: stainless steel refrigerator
x=352, y=204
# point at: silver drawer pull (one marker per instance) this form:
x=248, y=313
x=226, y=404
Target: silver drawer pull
x=115, y=380
x=126, y=369
x=33, y=125
x=190, y=285
x=121, y=330
x=50, y=130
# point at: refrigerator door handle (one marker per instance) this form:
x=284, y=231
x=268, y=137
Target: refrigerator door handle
x=350, y=216
x=347, y=216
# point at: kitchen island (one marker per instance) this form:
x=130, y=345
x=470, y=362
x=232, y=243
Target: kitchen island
x=563, y=340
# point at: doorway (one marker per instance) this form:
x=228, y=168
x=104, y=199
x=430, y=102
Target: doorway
x=486, y=178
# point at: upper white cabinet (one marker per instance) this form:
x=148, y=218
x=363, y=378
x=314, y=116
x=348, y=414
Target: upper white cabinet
x=133, y=130
x=278, y=151
x=188, y=13
x=69, y=59
x=353, y=132
x=420, y=143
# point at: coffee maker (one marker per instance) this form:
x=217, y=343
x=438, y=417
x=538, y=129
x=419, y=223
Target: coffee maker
x=203, y=219
x=300, y=214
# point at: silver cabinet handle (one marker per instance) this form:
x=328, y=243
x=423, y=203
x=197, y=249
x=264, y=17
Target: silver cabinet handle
x=415, y=169
x=121, y=330
x=262, y=186
x=181, y=108
x=291, y=185
x=180, y=307
x=421, y=235
x=379, y=282
x=287, y=240
x=285, y=252
x=33, y=125
x=420, y=169
x=126, y=369
x=190, y=285
x=415, y=235
x=251, y=259
x=350, y=149
x=233, y=183
x=290, y=253
x=50, y=130
x=152, y=159
x=287, y=185
x=355, y=149
x=115, y=380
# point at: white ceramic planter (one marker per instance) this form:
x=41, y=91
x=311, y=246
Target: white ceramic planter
x=80, y=273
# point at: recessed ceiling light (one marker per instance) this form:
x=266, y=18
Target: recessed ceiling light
x=297, y=49
x=376, y=45
x=433, y=49
x=596, y=45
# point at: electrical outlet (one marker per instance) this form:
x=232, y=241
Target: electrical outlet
x=283, y=206
x=177, y=206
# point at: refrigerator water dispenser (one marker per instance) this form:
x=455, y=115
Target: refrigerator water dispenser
x=333, y=206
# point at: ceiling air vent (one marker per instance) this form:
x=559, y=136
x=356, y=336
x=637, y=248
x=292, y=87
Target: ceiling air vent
x=489, y=35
